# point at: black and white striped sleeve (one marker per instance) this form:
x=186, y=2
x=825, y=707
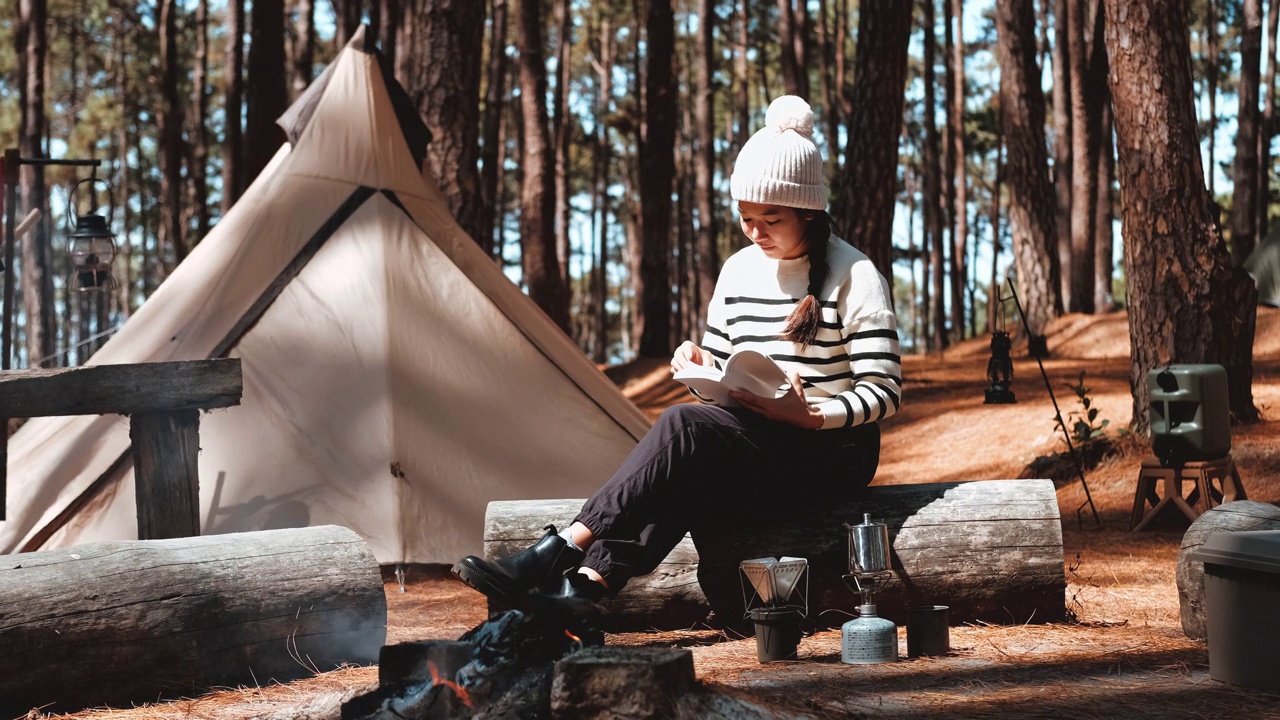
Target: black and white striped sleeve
x=716, y=339
x=875, y=361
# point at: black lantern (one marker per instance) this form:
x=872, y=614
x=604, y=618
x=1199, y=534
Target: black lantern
x=1000, y=370
x=92, y=247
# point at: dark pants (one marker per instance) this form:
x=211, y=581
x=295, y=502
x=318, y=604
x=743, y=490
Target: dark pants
x=703, y=463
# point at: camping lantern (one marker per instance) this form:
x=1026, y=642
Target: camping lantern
x=1000, y=370
x=91, y=246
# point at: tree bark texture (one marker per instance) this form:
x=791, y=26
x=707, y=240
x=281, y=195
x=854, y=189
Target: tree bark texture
x=494, y=101
x=1031, y=197
x=1244, y=201
x=440, y=56
x=937, y=248
x=657, y=173
x=603, y=160
x=1084, y=173
x=786, y=49
x=31, y=41
x=537, y=190
x=960, y=206
x=170, y=121
x=864, y=210
x=560, y=132
x=266, y=92
x=1062, y=145
x=1266, y=129
x=232, y=141
x=1211, y=83
x=200, y=151
x=992, y=548
x=707, y=251
x=1186, y=302
x=932, y=206
x=120, y=623
x=1104, y=165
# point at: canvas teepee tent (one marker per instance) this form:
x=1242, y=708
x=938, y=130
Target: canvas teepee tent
x=395, y=380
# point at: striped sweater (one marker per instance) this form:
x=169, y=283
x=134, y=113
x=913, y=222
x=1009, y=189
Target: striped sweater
x=853, y=370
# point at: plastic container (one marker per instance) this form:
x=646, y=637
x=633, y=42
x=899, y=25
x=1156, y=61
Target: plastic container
x=777, y=633
x=1190, y=418
x=928, y=630
x=1242, y=593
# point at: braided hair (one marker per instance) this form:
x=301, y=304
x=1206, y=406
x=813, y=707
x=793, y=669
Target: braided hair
x=802, y=325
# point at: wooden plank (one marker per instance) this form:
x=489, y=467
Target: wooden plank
x=122, y=389
x=991, y=550
x=166, y=473
x=120, y=623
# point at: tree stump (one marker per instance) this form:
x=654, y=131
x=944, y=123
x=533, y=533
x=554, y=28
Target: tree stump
x=991, y=550
x=127, y=622
x=1230, y=517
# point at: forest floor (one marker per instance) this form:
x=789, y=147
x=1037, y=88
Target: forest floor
x=1125, y=656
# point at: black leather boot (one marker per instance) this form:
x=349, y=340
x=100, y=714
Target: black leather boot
x=540, y=567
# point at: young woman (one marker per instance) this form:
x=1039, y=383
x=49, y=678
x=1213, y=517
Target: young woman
x=807, y=299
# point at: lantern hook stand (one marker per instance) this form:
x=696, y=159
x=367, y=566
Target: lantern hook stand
x=13, y=162
x=1075, y=456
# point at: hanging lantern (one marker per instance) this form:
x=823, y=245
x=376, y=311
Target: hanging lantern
x=1000, y=370
x=91, y=246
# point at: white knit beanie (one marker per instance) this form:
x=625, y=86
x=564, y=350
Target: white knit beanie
x=780, y=164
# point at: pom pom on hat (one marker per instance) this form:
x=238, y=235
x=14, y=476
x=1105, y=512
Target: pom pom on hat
x=790, y=112
x=776, y=167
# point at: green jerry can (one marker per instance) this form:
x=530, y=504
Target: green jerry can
x=1190, y=416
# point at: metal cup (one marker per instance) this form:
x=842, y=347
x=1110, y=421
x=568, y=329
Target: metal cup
x=928, y=631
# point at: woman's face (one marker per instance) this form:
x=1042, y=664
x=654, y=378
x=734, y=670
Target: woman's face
x=777, y=230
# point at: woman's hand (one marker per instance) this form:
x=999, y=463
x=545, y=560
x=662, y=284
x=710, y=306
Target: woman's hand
x=790, y=408
x=690, y=354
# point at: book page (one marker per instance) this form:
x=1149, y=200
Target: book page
x=755, y=373
x=707, y=382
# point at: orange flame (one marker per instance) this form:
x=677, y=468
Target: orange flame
x=458, y=690
x=573, y=637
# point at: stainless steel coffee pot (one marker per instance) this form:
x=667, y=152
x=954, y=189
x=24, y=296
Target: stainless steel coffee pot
x=868, y=547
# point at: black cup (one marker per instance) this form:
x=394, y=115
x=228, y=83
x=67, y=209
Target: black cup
x=927, y=630
x=777, y=633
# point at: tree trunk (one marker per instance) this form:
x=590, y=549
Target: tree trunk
x=439, y=65
x=200, y=152
x=603, y=156
x=138, y=620
x=993, y=297
x=992, y=548
x=869, y=186
x=537, y=194
x=827, y=86
x=1186, y=302
x=494, y=102
x=932, y=183
x=1031, y=198
x=304, y=49
x=388, y=29
x=800, y=44
x=1244, y=202
x=708, y=254
x=1266, y=129
x=560, y=131
x=960, y=211
x=742, y=73
x=1084, y=173
x=1211, y=83
x=36, y=278
x=266, y=92
x=1062, y=159
x=170, y=122
x=1104, y=163
x=232, y=150
x=787, y=32
x=657, y=171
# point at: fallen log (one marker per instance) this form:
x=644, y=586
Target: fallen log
x=117, y=623
x=1240, y=515
x=989, y=549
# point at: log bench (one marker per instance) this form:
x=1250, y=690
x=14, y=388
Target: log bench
x=989, y=549
x=118, y=623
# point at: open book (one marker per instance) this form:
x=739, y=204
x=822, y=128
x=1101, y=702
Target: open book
x=745, y=370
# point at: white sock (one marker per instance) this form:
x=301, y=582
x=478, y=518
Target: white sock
x=568, y=539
